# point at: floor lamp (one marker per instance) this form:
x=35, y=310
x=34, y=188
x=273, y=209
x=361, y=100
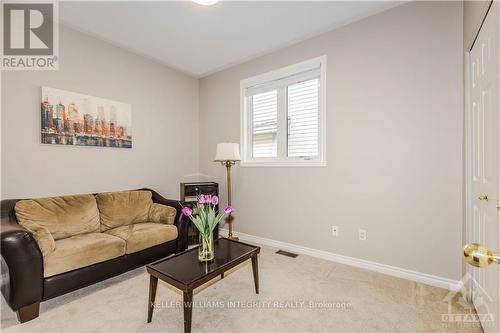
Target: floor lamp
x=228, y=154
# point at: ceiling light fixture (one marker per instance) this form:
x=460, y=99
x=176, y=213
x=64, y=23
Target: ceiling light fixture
x=206, y=2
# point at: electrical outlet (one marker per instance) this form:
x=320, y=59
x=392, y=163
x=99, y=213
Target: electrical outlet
x=362, y=234
x=335, y=231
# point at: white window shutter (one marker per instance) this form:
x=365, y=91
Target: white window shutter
x=264, y=124
x=303, y=119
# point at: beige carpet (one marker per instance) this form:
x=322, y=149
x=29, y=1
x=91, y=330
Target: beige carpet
x=358, y=301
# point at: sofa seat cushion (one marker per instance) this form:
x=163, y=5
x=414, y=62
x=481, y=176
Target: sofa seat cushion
x=80, y=251
x=63, y=217
x=141, y=236
x=123, y=208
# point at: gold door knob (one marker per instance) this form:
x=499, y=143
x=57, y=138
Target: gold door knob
x=483, y=197
x=479, y=256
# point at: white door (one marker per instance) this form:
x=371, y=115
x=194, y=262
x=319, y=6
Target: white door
x=485, y=101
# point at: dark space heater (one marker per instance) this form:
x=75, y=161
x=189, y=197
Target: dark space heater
x=190, y=193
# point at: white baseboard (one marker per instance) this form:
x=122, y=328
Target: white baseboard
x=432, y=280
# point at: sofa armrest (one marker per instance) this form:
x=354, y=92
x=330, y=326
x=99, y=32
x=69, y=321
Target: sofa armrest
x=22, y=258
x=181, y=221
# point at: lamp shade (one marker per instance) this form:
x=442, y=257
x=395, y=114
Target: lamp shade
x=228, y=151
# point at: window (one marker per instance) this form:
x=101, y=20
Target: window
x=283, y=116
x=264, y=124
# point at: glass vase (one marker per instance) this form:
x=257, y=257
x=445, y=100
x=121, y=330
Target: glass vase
x=206, y=247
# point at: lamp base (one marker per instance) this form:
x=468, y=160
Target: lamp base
x=233, y=238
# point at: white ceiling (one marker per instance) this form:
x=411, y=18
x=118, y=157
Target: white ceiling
x=201, y=40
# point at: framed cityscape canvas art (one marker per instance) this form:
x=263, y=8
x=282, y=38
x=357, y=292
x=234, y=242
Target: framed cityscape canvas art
x=73, y=119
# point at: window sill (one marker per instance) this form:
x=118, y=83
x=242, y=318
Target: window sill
x=284, y=164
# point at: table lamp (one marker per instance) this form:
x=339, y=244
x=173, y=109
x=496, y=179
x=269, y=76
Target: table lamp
x=228, y=154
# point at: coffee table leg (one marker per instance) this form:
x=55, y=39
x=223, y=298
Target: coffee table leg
x=188, y=310
x=153, y=283
x=222, y=276
x=255, y=268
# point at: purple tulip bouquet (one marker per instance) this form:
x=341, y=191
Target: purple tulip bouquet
x=205, y=218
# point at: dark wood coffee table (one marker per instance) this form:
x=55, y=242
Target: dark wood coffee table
x=185, y=272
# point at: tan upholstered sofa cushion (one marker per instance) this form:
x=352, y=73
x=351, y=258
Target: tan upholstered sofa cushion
x=123, y=208
x=162, y=214
x=80, y=251
x=42, y=236
x=143, y=235
x=63, y=217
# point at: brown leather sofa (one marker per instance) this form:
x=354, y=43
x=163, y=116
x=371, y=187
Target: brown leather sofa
x=52, y=246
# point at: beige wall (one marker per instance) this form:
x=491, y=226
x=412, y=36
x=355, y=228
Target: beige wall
x=474, y=13
x=394, y=134
x=164, y=116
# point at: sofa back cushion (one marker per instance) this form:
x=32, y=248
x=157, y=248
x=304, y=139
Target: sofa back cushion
x=63, y=216
x=162, y=214
x=123, y=208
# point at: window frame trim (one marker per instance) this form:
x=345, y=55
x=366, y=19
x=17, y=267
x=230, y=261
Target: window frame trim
x=245, y=121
